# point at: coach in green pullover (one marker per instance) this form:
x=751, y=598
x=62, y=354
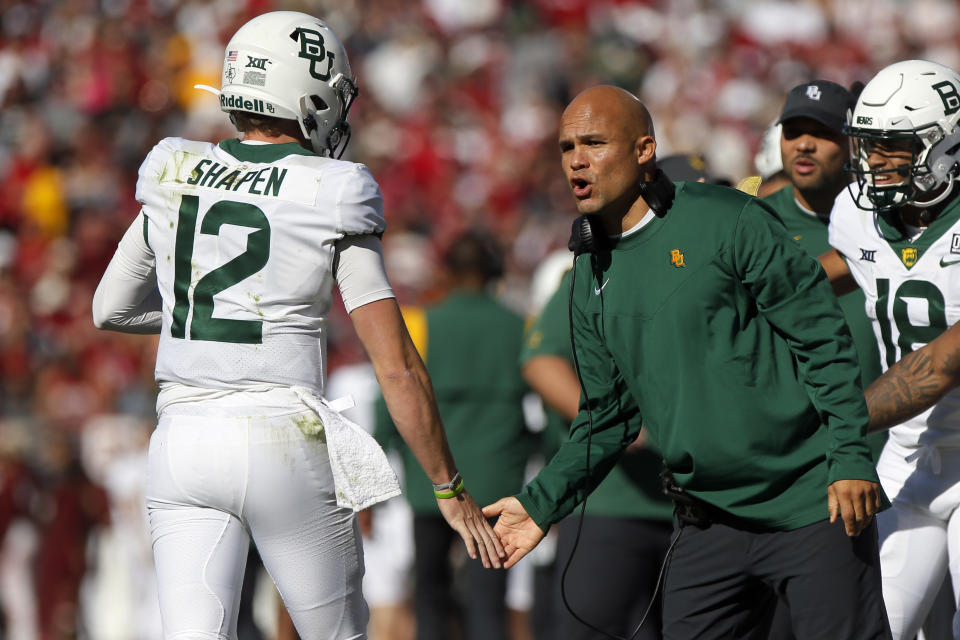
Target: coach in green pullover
x=704, y=318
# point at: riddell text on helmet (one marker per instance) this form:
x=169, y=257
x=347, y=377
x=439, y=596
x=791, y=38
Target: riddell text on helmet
x=236, y=102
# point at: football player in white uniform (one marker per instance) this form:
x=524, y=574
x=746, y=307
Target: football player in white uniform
x=232, y=260
x=905, y=256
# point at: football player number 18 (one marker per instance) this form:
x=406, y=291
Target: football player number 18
x=203, y=326
x=909, y=334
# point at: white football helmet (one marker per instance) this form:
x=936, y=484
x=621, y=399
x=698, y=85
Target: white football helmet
x=290, y=65
x=908, y=106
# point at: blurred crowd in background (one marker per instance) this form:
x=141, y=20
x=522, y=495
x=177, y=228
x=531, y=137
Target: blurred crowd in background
x=457, y=120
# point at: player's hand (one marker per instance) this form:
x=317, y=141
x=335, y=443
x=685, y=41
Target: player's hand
x=517, y=530
x=856, y=501
x=464, y=516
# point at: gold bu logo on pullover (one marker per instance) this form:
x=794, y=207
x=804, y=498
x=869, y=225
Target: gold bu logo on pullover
x=676, y=258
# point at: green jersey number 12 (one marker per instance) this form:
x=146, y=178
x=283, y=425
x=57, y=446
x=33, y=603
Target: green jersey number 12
x=203, y=326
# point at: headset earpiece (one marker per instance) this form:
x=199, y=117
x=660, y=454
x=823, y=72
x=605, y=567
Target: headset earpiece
x=582, y=238
x=658, y=193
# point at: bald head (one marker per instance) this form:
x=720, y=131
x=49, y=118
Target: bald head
x=608, y=151
x=612, y=104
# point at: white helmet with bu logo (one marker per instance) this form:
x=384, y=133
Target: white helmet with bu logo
x=908, y=106
x=290, y=65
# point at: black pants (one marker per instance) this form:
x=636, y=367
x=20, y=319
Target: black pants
x=611, y=576
x=722, y=581
x=474, y=602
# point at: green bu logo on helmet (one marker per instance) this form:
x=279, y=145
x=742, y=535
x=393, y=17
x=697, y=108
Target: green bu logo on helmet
x=949, y=96
x=312, y=49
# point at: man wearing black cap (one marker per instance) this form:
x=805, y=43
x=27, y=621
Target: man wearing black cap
x=814, y=150
x=812, y=143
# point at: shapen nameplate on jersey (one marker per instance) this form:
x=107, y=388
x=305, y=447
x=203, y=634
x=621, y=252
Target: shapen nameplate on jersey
x=194, y=171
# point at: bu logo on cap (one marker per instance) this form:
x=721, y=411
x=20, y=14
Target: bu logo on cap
x=813, y=92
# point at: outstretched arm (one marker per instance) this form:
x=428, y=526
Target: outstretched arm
x=409, y=396
x=916, y=382
x=837, y=272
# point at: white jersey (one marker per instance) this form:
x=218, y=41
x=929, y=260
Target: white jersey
x=244, y=241
x=912, y=290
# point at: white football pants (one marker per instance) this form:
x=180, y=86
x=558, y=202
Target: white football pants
x=920, y=534
x=215, y=482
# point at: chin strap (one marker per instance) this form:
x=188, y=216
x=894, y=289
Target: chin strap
x=940, y=198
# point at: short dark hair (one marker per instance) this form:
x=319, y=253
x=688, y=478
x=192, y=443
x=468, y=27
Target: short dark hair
x=245, y=121
x=477, y=253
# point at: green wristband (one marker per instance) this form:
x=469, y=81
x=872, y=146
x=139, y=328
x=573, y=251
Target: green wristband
x=450, y=489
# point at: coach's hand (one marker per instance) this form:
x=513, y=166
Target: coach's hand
x=517, y=530
x=463, y=514
x=856, y=501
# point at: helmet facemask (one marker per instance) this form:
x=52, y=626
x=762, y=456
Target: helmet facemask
x=883, y=190
x=325, y=125
x=932, y=152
